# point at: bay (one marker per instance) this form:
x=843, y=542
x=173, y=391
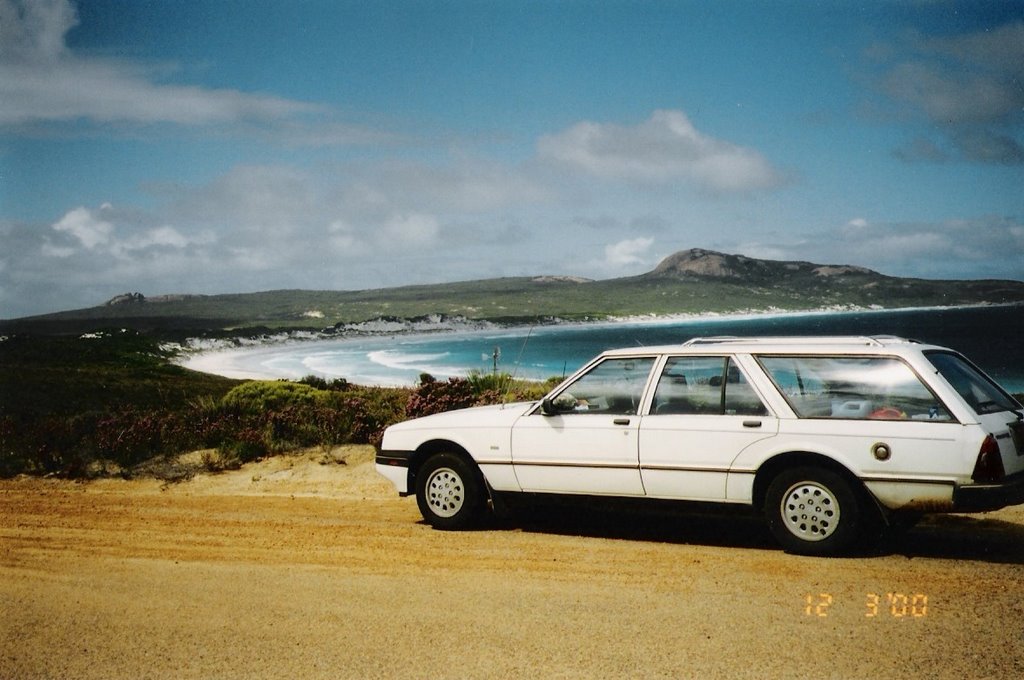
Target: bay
x=991, y=336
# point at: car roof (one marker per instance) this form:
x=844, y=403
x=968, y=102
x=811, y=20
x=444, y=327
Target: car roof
x=820, y=344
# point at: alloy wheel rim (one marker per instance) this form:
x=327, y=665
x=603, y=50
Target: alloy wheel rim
x=810, y=511
x=445, y=492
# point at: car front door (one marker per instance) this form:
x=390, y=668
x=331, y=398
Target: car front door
x=584, y=440
x=703, y=414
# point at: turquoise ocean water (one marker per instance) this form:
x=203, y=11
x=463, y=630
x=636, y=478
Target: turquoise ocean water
x=991, y=336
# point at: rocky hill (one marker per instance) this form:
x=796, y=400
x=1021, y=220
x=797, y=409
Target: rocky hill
x=698, y=262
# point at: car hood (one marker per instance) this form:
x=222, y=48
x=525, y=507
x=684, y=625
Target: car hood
x=479, y=416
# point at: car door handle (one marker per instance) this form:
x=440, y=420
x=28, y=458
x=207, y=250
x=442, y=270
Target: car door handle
x=621, y=421
x=751, y=423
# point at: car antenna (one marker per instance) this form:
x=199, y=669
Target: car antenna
x=515, y=366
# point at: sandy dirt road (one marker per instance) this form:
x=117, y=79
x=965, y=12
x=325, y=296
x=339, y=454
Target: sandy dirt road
x=290, y=568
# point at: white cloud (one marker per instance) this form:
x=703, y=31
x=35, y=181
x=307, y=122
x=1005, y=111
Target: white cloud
x=253, y=228
x=108, y=92
x=93, y=234
x=89, y=230
x=344, y=238
x=42, y=81
x=267, y=202
x=410, y=230
x=50, y=250
x=161, y=237
x=627, y=253
x=666, y=148
x=93, y=253
x=349, y=211
x=394, y=234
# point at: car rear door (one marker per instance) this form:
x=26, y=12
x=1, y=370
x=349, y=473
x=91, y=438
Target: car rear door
x=703, y=413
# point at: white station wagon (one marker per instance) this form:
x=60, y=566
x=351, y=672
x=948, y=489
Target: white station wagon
x=830, y=437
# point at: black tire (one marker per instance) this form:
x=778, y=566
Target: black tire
x=450, y=492
x=815, y=511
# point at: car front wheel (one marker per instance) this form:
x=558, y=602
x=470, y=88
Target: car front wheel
x=449, y=492
x=814, y=511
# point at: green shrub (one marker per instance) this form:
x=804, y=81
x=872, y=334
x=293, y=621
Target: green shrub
x=260, y=396
x=335, y=385
x=483, y=383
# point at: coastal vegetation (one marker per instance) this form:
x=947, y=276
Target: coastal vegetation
x=113, y=403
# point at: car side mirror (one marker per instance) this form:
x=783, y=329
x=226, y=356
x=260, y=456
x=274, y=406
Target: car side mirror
x=547, y=407
x=563, y=403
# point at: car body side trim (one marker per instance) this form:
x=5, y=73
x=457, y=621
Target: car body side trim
x=568, y=464
x=909, y=480
x=681, y=468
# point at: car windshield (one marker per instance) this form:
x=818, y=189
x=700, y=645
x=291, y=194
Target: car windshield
x=977, y=389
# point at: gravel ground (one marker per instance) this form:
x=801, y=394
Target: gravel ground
x=301, y=568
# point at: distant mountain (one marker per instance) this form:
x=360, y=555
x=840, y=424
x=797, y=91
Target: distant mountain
x=688, y=282
x=698, y=262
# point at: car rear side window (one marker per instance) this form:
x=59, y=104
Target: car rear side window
x=707, y=386
x=872, y=388
x=980, y=393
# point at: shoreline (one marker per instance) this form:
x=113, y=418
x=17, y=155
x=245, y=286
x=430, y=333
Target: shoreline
x=225, y=357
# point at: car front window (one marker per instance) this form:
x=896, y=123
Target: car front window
x=615, y=386
x=876, y=388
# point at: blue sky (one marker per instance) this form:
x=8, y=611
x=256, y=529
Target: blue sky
x=225, y=146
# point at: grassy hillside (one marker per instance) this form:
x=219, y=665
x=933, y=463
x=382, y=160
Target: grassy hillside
x=63, y=376
x=59, y=395
x=688, y=282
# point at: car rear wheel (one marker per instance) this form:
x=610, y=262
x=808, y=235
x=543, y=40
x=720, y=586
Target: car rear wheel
x=814, y=511
x=449, y=492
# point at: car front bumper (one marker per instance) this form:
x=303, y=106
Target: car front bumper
x=394, y=466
